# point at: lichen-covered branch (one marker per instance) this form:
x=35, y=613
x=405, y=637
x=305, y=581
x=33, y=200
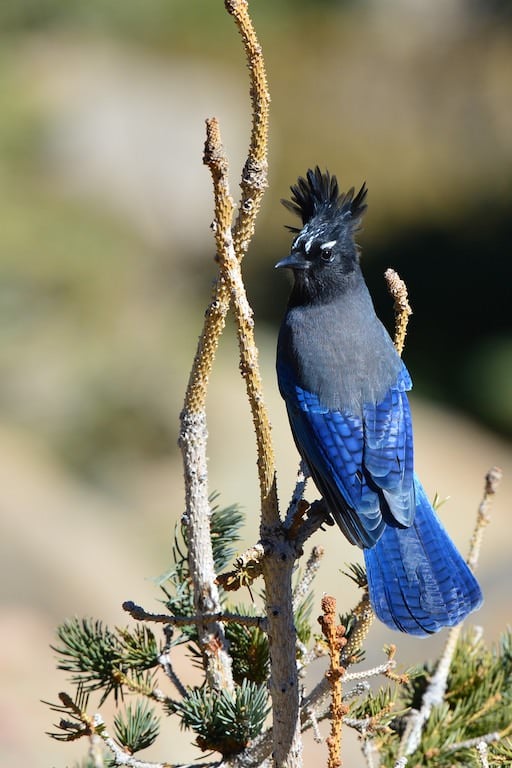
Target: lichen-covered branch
x=193, y=432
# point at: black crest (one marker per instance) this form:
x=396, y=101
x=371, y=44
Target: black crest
x=319, y=193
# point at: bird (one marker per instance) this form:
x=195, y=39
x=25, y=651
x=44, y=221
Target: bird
x=345, y=388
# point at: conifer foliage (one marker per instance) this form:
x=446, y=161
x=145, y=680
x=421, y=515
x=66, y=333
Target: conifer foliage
x=253, y=702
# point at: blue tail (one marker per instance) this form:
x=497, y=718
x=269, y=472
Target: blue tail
x=417, y=579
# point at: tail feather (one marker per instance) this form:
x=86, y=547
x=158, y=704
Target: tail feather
x=417, y=579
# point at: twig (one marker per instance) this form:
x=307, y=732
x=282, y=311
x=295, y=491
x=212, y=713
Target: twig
x=482, y=750
x=492, y=482
x=165, y=662
x=138, y=613
x=477, y=742
x=192, y=440
x=310, y=571
x=398, y=291
x=254, y=175
x=311, y=714
x=298, y=493
x=317, y=515
x=366, y=674
x=335, y=637
x=434, y=694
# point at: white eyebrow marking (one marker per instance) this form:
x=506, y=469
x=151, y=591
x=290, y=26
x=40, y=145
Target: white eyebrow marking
x=330, y=244
x=308, y=245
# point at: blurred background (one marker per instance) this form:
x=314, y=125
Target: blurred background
x=106, y=263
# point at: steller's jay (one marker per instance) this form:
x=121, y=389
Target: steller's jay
x=345, y=389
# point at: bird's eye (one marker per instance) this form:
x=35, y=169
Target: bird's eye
x=326, y=251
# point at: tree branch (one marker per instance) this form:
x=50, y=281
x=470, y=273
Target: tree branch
x=138, y=613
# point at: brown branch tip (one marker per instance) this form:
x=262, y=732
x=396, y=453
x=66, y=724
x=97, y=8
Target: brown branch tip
x=335, y=637
x=398, y=291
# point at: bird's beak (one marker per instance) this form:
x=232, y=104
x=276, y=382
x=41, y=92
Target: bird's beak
x=295, y=260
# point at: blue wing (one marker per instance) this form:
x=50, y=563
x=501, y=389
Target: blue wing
x=362, y=465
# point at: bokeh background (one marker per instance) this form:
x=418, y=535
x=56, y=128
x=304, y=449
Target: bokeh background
x=106, y=262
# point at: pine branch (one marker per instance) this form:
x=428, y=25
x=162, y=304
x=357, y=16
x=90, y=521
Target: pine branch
x=225, y=721
x=136, y=728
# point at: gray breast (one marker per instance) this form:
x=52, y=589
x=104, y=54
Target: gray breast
x=341, y=353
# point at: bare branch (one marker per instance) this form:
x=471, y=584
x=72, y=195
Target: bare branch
x=310, y=571
x=477, y=742
x=492, y=482
x=298, y=493
x=182, y=621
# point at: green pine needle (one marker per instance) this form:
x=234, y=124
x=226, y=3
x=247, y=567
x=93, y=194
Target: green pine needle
x=140, y=650
x=248, y=648
x=93, y=655
x=478, y=701
x=136, y=728
x=225, y=525
x=303, y=619
x=223, y=721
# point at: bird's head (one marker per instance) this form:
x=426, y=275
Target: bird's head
x=324, y=253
